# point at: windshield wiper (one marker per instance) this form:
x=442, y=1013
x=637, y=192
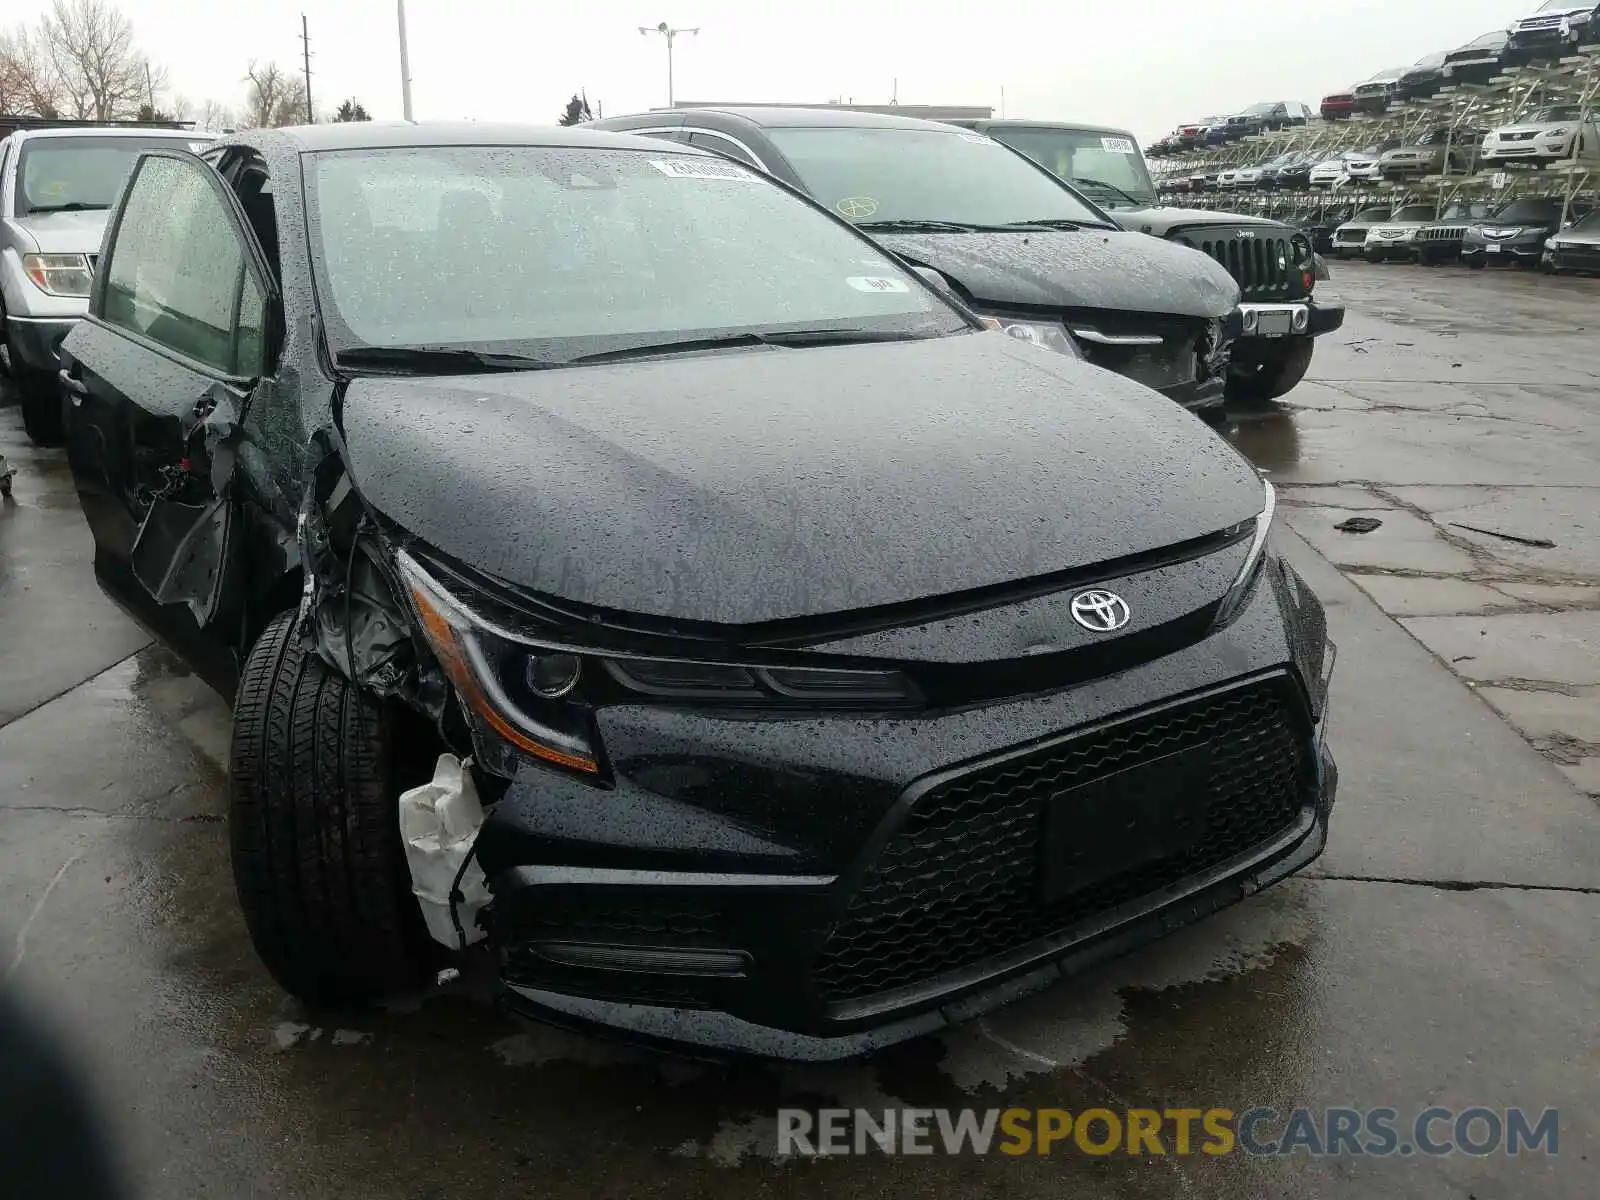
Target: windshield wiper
x=1110, y=187
x=438, y=360
x=1059, y=223
x=71, y=206
x=920, y=226
x=782, y=337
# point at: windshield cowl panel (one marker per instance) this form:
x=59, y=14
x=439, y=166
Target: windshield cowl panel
x=519, y=258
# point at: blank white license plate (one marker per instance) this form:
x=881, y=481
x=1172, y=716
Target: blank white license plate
x=1491, y=248
x=1272, y=324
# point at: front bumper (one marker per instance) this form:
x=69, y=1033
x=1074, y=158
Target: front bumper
x=1579, y=257
x=1382, y=248
x=815, y=889
x=36, y=341
x=1268, y=322
x=1510, y=250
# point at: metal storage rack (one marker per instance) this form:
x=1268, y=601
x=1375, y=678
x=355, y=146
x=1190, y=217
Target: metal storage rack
x=1505, y=99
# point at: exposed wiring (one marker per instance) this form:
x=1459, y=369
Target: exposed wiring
x=455, y=893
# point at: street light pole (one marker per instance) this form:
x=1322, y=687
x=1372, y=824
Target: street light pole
x=669, y=33
x=405, y=62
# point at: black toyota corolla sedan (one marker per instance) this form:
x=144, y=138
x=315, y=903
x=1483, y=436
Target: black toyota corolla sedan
x=823, y=678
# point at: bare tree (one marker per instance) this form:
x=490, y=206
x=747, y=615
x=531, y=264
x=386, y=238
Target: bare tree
x=214, y=116
x=291, y=110
x=89, y=47
x=269, y=88
x=28, y=86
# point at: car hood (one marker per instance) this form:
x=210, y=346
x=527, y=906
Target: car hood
x=1399, y=226
x=64, y=232
x=755, y=485
x=1161, y=221
x=1540, y=127
x=1093, y=268
x=1574, y=237
x=1547, y=14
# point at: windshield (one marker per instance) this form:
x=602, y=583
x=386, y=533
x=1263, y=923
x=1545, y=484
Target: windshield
x=1259, y=110
x=1563, y=112
x=1372, y=214
x=66, y=174
x=1414, y=212
x=1088, y=159
x=874, y=175
x=1588, y=224
x=559, y=253
x=1556, y=5
x=1535, y=210
x=1462, y=210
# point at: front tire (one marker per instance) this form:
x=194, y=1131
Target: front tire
x=40, y=401
x=1275, y=374
x=314, y=829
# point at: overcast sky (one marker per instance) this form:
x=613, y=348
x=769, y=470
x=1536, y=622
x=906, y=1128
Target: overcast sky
x=1144, y=65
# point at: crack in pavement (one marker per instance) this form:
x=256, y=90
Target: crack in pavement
x=70, y=688
x=1462, y=885
x=85, y=813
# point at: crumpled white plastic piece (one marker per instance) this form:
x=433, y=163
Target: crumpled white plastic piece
x=439, y=822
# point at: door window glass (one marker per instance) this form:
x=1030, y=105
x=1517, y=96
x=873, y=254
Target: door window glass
x=177, y=264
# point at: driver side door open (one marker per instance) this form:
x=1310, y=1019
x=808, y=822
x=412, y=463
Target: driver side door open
x=158, y=378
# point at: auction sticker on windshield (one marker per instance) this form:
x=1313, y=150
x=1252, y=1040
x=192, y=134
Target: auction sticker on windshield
x=693, y=168
x=981, y=139
x=1116, y=145
x=877, y=283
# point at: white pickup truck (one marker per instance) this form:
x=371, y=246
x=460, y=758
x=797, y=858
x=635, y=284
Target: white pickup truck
x=57, y=184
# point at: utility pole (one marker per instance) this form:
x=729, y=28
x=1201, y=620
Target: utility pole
x=149, y=88
x=670, y=34
x=405, y=62
x=305, y=41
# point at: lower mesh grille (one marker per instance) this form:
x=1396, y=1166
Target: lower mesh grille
x=959, y=882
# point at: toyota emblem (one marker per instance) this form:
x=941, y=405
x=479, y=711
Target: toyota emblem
x=1100, y=610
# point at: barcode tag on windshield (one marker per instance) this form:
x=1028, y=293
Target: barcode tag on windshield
x=694, y=168
x=1116, y=145
x=981, y=139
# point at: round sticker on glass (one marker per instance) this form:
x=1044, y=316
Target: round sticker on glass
x=857, y=207
x=877, y=283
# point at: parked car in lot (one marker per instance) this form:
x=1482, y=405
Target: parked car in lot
x=1479, y=61
x=1516, y=231
x=1554, y=29
x=1294, y=172
x=1432, y=152
x=1550, y=135
x=1362, y=167
x=1350, y=239
x=1338, y=106
x=1330, y=171
x=1261, y=118
x=1319, y=222
x=1575, y=246
x=1440, y=241
x=1422, y=80
x=56, y=184
x=772, y=601
x=1377, y=92
x=1272, y=262
x=1003, y=231
x=1391, y=237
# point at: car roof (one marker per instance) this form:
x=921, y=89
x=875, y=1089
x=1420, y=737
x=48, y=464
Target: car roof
x=1074, y=126
x=382, y=135
x=104, y=131
x=819, y=117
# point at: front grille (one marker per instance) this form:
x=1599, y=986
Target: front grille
x=958, y=884
x=1260, y=263
x=1442, y=233
x=1519, y=137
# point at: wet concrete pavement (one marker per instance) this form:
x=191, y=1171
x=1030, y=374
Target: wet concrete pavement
x=1443, y=951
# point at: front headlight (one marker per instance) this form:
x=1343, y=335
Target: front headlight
x=1562, y=132
x=529, y=691
x=59, y=274
x=1040, y=333
x=1244, y=581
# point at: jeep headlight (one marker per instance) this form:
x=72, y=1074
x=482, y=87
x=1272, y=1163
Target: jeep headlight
x=1040, y=333
x=59, y=274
